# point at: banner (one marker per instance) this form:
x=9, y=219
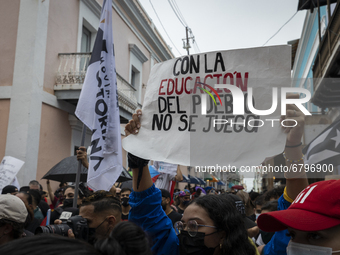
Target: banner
x=9, y=167
x=189, y=108
x=166, y=168
x=98, y=108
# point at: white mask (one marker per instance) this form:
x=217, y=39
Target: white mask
x=306, y=249
x=257, y=215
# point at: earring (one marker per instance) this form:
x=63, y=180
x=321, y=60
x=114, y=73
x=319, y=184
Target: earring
x=220, y=246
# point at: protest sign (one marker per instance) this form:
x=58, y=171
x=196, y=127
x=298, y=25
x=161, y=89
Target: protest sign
x=166, y=168
x=9, y=167
x=188, y=120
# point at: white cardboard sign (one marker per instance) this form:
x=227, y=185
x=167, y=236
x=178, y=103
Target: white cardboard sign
x=174, y=128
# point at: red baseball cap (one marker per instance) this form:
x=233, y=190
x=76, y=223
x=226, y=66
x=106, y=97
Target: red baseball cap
x=316, y=208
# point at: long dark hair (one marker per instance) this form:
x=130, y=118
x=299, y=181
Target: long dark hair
x=226, y=218
x=125, y=239
x=48, y=245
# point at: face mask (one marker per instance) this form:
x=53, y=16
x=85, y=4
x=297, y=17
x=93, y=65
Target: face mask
x=257, y=215
x=68, y=202
x=92, y=238
x=163, y=206
x=193, y=245
x=125, y=201
x=185, y=203
x=306, y=249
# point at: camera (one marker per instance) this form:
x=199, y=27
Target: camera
x=77, y=223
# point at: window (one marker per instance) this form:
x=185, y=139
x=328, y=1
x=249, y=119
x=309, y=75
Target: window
x=85, y=40
x=133, y=78
x=137, y=58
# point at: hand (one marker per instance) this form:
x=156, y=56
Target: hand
x=294, y=133
x=134, y=125
x=82, y=155
x=70, y=234
x=57, y=222
x=254, y=231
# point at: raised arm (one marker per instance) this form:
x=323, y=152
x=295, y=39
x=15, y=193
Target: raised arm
x=50, y=192
x=145, y=182
x=295, y=181
x=145, y=201
x=82, y=155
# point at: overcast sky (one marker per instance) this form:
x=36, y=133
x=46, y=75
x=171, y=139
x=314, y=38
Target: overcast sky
x=226, y=24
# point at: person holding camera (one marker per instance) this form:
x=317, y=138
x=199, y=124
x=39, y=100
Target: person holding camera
x=98, y=215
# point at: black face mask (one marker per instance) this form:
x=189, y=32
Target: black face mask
x=163, y=206
x=92, y=237
x=193, y=245
x=68, y=202
x=125, y=201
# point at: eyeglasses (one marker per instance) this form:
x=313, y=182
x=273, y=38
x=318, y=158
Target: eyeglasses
x=191, y=226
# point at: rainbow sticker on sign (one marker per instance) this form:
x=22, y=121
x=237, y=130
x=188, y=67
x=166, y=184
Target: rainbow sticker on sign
x=212, y=89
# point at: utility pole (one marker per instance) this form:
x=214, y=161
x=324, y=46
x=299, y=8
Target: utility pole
x=186, y=43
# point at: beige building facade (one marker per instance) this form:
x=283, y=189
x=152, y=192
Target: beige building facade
x=45, y=49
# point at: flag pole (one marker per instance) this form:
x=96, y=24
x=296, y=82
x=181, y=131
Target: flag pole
x=75, y=198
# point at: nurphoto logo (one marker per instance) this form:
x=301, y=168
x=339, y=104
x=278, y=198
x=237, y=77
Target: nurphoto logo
x=238, y=104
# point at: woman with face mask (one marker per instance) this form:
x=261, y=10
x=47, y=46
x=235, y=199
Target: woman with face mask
x=68, y=203
x=209, y=225
x=212, y=225
x=313, y=220
x=214, y=237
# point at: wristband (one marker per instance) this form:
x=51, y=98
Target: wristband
x=136, y=162
x=293, y=146
x=292, y=160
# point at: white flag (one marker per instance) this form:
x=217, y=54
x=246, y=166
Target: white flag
x=98, y=108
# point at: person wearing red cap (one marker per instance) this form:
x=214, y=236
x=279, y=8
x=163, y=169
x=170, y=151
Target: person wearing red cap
x=295, y=181
x=312, y=220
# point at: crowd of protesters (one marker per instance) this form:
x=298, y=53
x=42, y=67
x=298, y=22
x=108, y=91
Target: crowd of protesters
x=153, y=218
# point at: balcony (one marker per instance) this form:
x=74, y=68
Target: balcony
x=70, y=78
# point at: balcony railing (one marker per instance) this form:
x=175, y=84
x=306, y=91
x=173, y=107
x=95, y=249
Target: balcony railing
x=72, y=68
x=71, y=75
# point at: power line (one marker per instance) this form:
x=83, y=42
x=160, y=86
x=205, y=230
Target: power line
x=280, y=28
x=179, y=11
x=164, y=28
x=288, y=21
x=177, y=15
x=180, y=17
